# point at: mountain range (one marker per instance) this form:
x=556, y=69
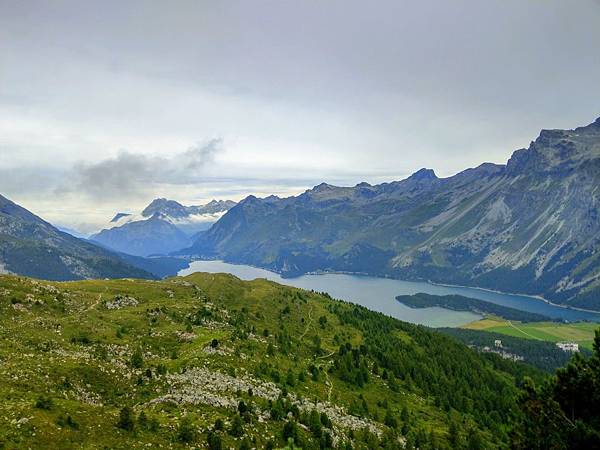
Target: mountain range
x=31, y=246
x=164, y=226
x=530, y=226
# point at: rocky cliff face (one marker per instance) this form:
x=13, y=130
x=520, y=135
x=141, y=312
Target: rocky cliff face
x=531, y=226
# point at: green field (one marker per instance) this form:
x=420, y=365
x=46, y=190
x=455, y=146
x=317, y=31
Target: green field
x=580, y=332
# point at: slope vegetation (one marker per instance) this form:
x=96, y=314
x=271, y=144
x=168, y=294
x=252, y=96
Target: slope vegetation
x=212, y=360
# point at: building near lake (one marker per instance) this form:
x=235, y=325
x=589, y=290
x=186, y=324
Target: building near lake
x=568, y=346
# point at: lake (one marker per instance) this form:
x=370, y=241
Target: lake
x=379, y=294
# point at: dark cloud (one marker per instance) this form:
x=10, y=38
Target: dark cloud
x=134, y=175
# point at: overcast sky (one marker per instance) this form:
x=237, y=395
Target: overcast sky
x=105, y=105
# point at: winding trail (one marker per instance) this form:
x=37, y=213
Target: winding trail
x=308, y=324
x=96, y=303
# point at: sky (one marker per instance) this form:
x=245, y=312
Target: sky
x=105, y=105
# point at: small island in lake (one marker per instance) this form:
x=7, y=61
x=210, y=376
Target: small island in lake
x=460, y=303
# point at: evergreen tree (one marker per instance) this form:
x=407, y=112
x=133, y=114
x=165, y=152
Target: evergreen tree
x=186, y=432
x=126, y=419
x=237, y=426
x=137, y=359
x=214, y=441
x=563, y=412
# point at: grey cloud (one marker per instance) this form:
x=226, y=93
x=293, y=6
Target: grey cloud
x=133, y=175
x=336, y=90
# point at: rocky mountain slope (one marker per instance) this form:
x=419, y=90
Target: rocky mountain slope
x=209, y=361
x=530, y=226
x=162, y=227
x=33, y=247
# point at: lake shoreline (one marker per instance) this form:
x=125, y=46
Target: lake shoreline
x=368, y=290
x=389, y=277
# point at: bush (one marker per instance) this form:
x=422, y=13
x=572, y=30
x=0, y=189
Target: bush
x=186, y=432
x=137, y=359
x=126, y=419
x=82, y=338
x=214, y=441
x=290, y=431
x=67, y=421
x=44, y=402
x=237, y=427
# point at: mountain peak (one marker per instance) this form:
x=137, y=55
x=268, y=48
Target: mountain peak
x=250, y=199
x=322, y=187
x=558, y=150
x=163, y=205
x=423, y=174
x=593, y=126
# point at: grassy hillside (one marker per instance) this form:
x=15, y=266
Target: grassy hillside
x=212, y=361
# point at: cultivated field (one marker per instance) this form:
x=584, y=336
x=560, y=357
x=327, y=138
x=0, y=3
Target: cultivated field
x=580, y=332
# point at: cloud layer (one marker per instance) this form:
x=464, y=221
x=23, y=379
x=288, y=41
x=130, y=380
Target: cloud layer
x=131, y=175
x=298, y=92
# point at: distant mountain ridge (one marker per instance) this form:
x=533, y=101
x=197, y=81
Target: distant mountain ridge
x=530, y=226
x=173, y=209
x=162, y=227
x=31, y=246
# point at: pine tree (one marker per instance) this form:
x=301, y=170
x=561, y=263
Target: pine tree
x=126, y=419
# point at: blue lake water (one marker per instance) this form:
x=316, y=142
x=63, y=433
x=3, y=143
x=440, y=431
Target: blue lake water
x=379, y=294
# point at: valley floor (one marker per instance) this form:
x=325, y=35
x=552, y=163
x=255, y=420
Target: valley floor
x=580, y=332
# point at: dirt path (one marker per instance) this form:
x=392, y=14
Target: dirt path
x=326, y=356
x=524, y=332
x=325, y=367
x=330, y=384
x=96, y=303
x=308, y=324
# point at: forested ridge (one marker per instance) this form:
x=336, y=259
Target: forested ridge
x=214, y=362
x=461, y=303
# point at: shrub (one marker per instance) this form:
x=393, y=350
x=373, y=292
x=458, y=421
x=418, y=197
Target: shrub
x=137, y=359
x=237, y=427
x=186, y=432
x=126, y=419
x=44, y=402
x=214, y=441
x=290, y=431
